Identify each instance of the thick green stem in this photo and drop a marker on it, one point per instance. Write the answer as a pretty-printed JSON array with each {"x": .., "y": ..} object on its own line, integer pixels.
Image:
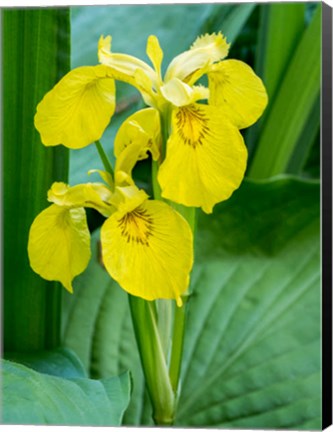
[{"x": 153, "y": 360}]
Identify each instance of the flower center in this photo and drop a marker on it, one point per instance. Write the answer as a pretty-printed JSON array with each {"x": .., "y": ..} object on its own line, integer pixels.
[
  {"x": 192, "y": 125},
  {"x": 137, "y": 226}
]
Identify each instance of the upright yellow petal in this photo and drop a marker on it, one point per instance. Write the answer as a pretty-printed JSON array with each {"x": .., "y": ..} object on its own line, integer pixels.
[
  {"x": 77, "y": 110},
  {"x": 155, "y": 53},
  {"x": 93, "y": 195},
  {"x": 128, "y": 69},
  {"x": 205, "y": 160},
  {"x": 205, "y": 51},
  {"x": 149, "y": 251},
  {"x": 59, "y": 244},
  {"x": 180, "y": 94},
  {"x": 234, "y": 86}
]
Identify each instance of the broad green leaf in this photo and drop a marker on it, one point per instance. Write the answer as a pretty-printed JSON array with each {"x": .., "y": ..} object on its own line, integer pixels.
[
  {"x": 252, "y": 350},
  {"x": 59, "y": 362},
  {"x": 31, "y": 397},
  {"x": 35, "y": 56},
  {"x": 252, "y": 347},
  {"x": 291, "y": 107}
]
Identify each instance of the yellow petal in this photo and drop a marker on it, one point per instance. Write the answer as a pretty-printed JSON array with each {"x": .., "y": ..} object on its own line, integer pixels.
[
  {"x": 59, "y": 244},
  {"x": 128, "y": 69},
  {"x": 127, "y": 198},
  {"x": 234, "y": 86},
  {"x": 180, "y": 94},
  {"x": 205, "y": 51},
  {"x": 93, "y": 195},
  {"x": 205, "y": 160},
  {"x": 143, "y": 129},
  {"x": 149, "y": 251},
  {"x": 125, "y": 164},
  {"x": 155, "y": 53},
  {"x": 77, "y": 110}
]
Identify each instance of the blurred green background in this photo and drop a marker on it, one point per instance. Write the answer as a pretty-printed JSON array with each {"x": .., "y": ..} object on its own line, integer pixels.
[{"x": 252, "y": 347}]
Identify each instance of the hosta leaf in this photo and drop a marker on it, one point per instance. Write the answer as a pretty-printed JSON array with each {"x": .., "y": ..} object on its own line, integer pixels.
[
  {"x": 252, "y": 359},
  {"x": 252, "y": 347},
  {"x": 59, "y": 362},
  {"x": 31, "y": 397}
]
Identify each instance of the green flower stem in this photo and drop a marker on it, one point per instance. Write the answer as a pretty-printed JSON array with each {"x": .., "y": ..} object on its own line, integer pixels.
[
  {"x": 156, "y": 186},
  {"x": 153, "y": 360},
  {"x": 106, "y": 163},
  {"x": 189, "y": 213},
  {"x": 177, "y": 346},
  {"x": 164, "y": 322}
]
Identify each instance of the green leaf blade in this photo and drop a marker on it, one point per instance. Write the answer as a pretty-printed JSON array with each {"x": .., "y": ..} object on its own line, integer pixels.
[
  {"x": 31, "y": 397},
  {"x": 291, "y": 108},
  {"x": 35, "y": 54},
  {"x": 252, "y": 350},
  {"x": 276, "y": 46}
]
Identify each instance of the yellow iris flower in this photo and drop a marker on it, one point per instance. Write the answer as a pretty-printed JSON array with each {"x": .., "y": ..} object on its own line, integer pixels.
[
  {"x": 205, "y": 157},
  {"x": 146, "y": 245}
]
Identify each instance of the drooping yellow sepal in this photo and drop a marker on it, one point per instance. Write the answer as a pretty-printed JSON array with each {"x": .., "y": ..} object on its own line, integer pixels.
[
  {"x": 205, "y": 160},
  {"x": 234, "y": 86},
  {"x": 149, "y": 251},
  {"x": 77, "y": 110},
  {"x": 59, "y": 244}
]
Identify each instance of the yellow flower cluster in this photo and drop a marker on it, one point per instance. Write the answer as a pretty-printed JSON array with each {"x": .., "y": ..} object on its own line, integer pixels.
[{"x": 146, "y": 244}]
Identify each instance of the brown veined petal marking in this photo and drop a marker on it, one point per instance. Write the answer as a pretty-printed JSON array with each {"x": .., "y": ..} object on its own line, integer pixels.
[
  {"x": 192, "y": 125},
  {"x": 148, "y": 251},
  {"x": 205, "y": 160}
]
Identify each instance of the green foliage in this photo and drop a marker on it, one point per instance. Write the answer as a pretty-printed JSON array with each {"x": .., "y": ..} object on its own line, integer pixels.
[
  {"x": 294, "y": 101},
  {"x": 31, "y": 397},
  {"x": 35, "y": 56},
  {"x": 251, "y": 357},
  {"x": 256, "y": 357}
]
